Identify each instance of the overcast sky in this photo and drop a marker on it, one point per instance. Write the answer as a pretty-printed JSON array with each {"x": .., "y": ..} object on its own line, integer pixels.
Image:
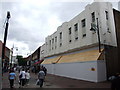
[{"x": 33, "y": 20}]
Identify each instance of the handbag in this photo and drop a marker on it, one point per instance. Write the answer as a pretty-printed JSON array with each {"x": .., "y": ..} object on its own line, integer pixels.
[
  {"x": 20, "y": 76},
  {"x": 38, "y": 82}
]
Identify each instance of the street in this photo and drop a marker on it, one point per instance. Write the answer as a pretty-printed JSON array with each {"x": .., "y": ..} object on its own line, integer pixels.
[
  {"x": 32, "y": 82},
  {"x": 52, "y": 81}
]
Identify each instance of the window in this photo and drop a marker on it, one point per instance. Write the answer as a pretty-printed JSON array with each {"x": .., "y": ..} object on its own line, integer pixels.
[
  {"x": 83, "y": 23},
  {"x": 70, "y": 41},
  {"x": 93, "y": 16},
  {"x": 50, "y": 42},
  {"x": 60, "y": 44},
  {"x": 76, "y": 27},
  {"x": 84, "y": 35},
  {"x": 106, "y": 12},
  {"x": 60, "y": 35},
  {"x": 55, "y": 42},
  {"x": 76, "y": 38},
  {"x": 83, "y": 28},
  {"x": 76, "y": 31},
  {"x": 70, "y": 30},
  {"x": 55, "y": 39},
  {"x": 50, "y": 45}
]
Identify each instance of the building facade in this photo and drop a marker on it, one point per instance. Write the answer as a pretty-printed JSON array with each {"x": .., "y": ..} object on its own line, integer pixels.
[
  {"x": 75, "y": 47},
  {"x": 76, "y": 33},
  {"x": 7, "y": 55}
]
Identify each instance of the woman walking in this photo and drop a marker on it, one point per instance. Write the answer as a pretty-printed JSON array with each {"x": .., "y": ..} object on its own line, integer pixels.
[
  {"x": 12, "y": 77},
  {"x": 27, "y": 74},
  {"x": 22, "y": 78}
]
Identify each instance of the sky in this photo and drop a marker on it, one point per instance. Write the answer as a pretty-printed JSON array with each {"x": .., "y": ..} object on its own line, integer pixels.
[{"x": 33, "y": 20}]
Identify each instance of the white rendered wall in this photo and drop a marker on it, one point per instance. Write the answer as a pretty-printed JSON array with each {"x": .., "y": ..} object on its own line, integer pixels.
[
  {"x": 42, "y": 51},
  {"x": 81, "y": 70},
  {"x": 106, "y": 37}
]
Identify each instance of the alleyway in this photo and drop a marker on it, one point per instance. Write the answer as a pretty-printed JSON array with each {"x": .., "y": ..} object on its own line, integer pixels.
[{"x": 53, "y": 81}]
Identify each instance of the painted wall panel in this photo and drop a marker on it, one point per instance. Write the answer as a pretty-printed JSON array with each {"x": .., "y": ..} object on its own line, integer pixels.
[{"x": 82, "y": 70}]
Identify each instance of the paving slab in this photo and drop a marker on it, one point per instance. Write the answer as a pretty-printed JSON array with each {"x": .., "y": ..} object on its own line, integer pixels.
[{"x": 53, "y": 81}]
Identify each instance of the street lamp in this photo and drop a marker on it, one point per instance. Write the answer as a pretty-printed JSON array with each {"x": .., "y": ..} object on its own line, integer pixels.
[
  {"x": 3, "y": 47},
  {"x": 5, "y": 35},
  {"x": 29, "y": 59},
  {"x": 5, "y": 38},
  {"x": 12, "y": 49},
  {"x": 96, "y": 28}
]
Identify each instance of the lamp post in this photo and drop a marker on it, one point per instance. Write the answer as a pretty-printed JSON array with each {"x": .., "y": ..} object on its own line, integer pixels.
[
  {"x": 5, "y": 37},
  {"x": 11, "y": 57},
  {"x": 29, "y": 59},
  {"x": 96, "y": 28},
  {"x": 12, "y": 49},
  {"x": 3, "y": 47}
]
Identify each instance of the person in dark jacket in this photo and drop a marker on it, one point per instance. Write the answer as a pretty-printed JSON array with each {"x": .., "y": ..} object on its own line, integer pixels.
[
  {"x": 115, "y": 83},
  {"x": 41, "y": 77}
]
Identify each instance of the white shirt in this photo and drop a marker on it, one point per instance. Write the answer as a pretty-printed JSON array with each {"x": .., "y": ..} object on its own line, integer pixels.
[
  {"x": 23, "y": 74},
  {"x": 27, "y": 75}
]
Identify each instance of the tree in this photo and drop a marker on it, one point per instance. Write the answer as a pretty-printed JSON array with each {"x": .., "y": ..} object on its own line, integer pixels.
[{"x": 21, "y": 61}]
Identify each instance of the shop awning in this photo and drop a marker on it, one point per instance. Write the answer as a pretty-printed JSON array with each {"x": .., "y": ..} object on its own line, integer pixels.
[
  {"x": 51, "y": 60},
  {"x": 91, "y": 55},
  {"x": 40, "y": 61}
]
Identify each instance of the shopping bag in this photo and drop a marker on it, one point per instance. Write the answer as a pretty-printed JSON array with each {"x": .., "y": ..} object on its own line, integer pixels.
[{"x": 38, "y": 82}]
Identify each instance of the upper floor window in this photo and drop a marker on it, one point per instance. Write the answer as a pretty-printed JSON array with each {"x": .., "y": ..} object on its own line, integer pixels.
[
  {"x": 55, "y": 39},
  {"x": 76, "y": 27},
  {"x": 70, "y": 30},
  {"x": 83, "y": 23},
  {"x": 93, "y": 16},
  {"x": 50, "y": 45},
  {"x": 50, "y": 42},
  {"x": 60, "y": 35},
  {"x": 70, "y": 41},
  {"x": 106, "y": 12},
  {"x": 60, "y": 44}
]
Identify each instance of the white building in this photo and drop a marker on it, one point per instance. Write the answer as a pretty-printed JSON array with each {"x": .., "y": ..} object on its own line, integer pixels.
[
  {"x": 14, "y": 60},
  {"x": 76, "y": 33},
  {"x": 72, "y": 51},
  {"x": 42, "y": 52}
]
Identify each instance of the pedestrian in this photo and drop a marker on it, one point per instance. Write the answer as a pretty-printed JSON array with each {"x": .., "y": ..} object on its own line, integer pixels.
[
  {"x": 14, "y": 69},
  {"x": 115, "y": 82},
  {"x": 11, "y": 77},
  {"x": 22, "y": 78},
  {"x": 27, "y": 74},
  {"x": 41, "y": 77},
  {"x": 45, "y": 70}
]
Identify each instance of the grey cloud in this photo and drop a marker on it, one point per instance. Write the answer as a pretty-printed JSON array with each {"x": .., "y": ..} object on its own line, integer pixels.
[
  {"x": 36, "y": 33},
  {"x": 68, "y": 10}
]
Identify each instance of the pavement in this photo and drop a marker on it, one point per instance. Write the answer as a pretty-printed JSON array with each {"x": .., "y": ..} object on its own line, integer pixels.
[{"x": 53, "y": 81}]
